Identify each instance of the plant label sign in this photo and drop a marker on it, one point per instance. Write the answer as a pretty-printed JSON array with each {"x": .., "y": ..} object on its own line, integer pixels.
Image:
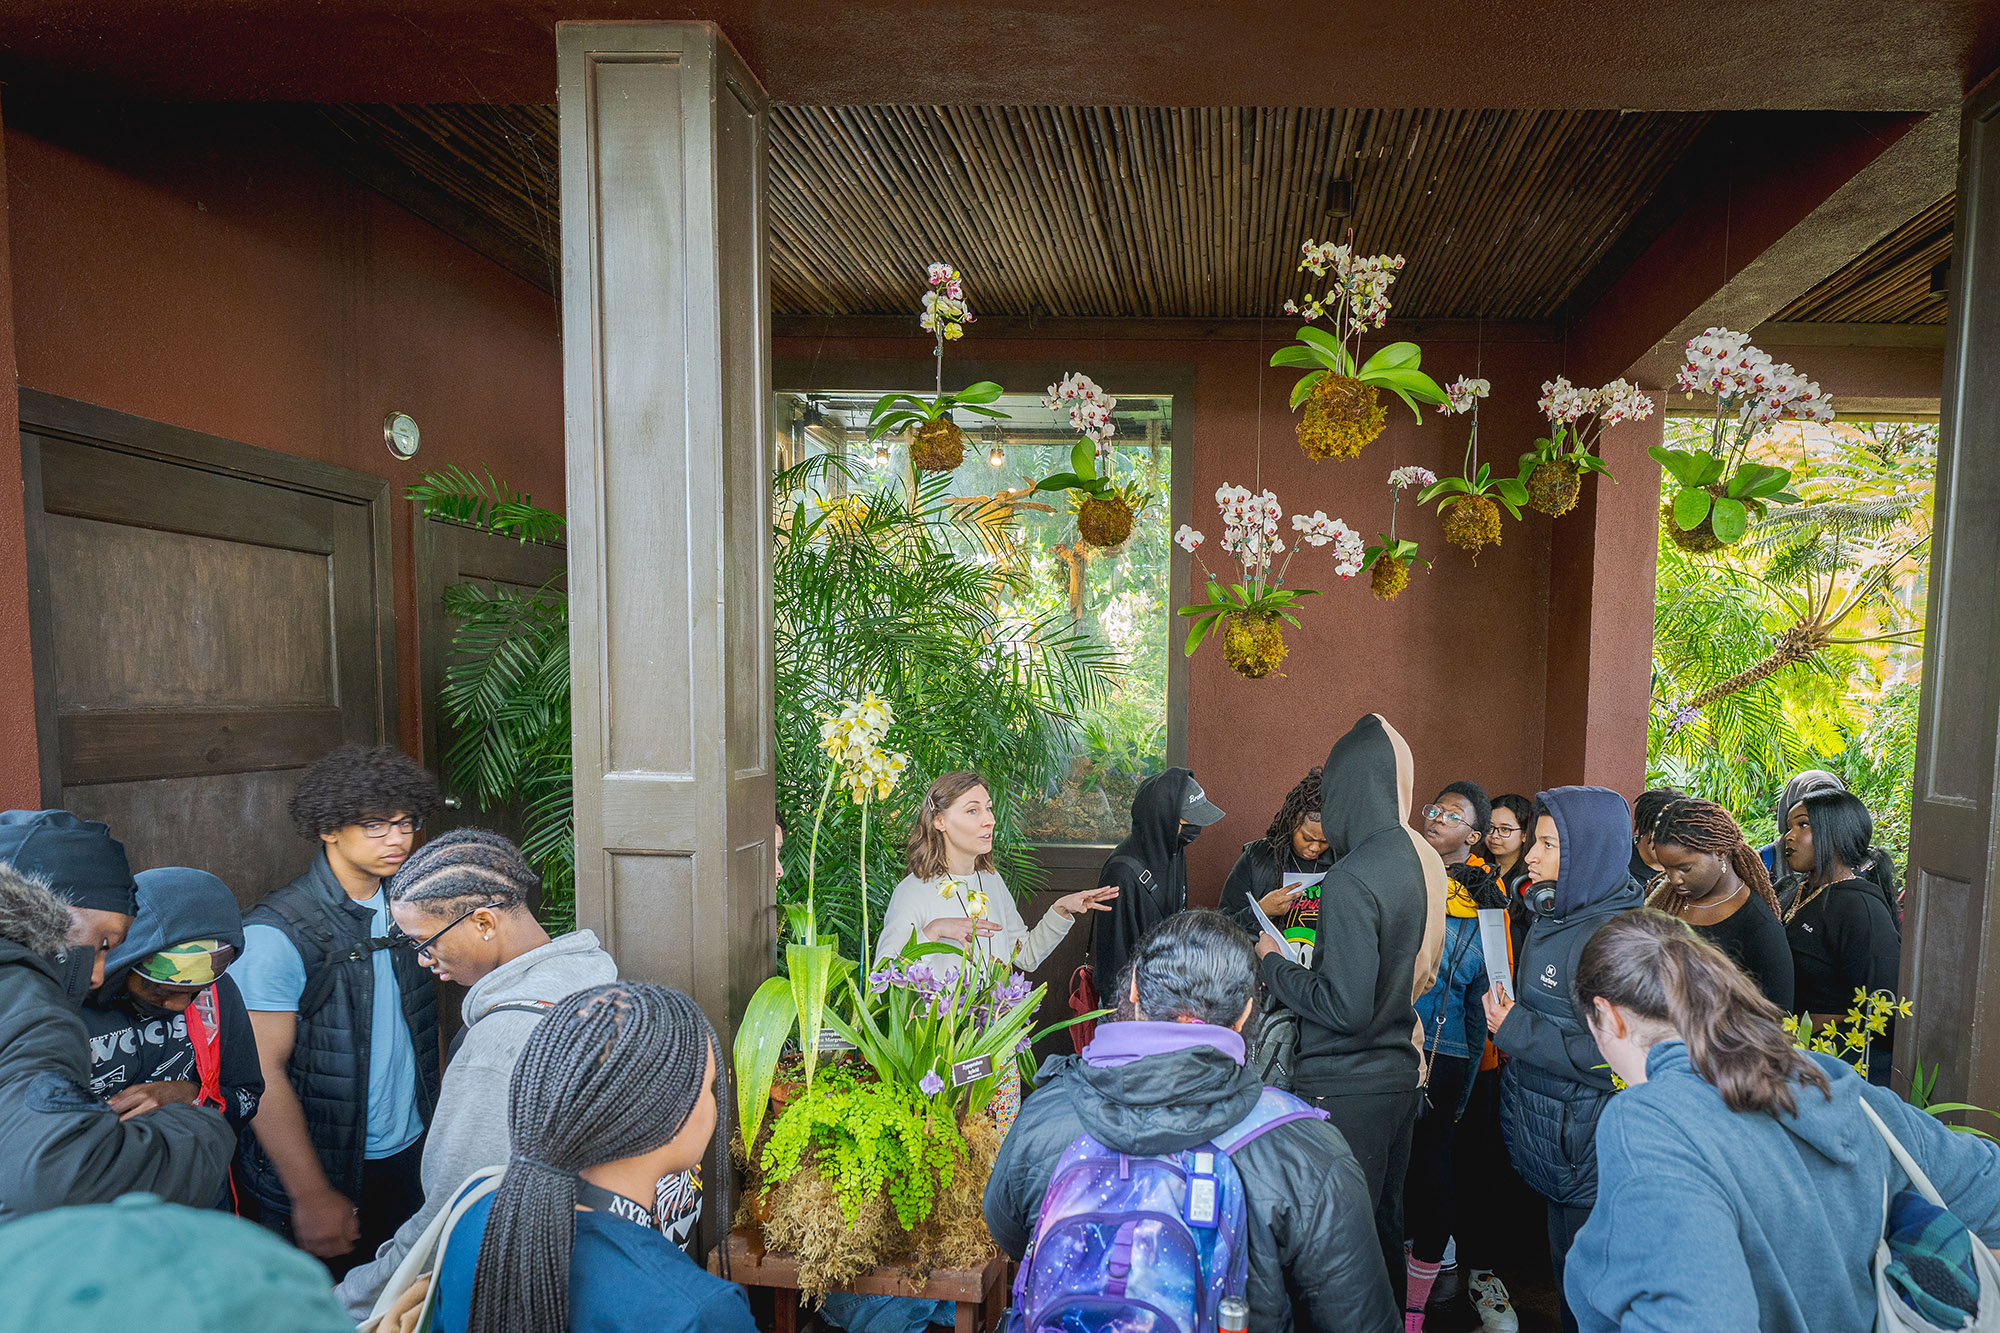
[{"x": 971, "y": 1071}]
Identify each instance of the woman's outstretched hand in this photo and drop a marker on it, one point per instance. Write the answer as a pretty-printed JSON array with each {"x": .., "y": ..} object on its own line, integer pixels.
[
  {"x": 1089, "y": 900},
  {"x": 960, "y": 929}
]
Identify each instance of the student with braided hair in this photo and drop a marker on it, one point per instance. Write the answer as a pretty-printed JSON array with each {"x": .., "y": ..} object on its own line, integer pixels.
[
  {"x": 1713, "y": 880},
  {"x": 619, "y": 1086},
  {"x": 461, "y": 901},
  {"x": 1294, "y": 845}
]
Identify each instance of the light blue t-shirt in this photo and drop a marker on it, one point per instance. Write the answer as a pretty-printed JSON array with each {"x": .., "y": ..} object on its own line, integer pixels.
[{"x": 272, "y": 977}]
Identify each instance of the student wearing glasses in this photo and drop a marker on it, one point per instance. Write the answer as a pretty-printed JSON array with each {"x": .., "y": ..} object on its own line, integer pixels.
[
  {"x": 462, "y": 904},
  {"x": 346, "y": 1026}
]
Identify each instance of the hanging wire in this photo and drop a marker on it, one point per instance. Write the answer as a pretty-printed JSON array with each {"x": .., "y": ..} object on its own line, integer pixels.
[{"x": 1260, "y": 405}]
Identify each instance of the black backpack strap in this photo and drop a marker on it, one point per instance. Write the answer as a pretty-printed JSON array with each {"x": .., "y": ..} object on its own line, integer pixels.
[
  {"x": 535, "y": 1007},
  {"x": 1145, "y": 875},
  {"x": 305, "y": 926}
]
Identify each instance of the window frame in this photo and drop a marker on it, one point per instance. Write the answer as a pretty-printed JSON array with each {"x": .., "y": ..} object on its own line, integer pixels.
[{"x": 1069, "y": 865}]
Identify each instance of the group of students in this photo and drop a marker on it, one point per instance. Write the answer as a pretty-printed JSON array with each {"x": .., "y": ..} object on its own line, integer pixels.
[
  {"x": 1633, "y": 1068},
  {"x": 285, "y": 1064}
]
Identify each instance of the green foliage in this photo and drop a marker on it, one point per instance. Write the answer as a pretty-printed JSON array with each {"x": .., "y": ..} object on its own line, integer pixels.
[
  {"x": 1396, "y": 367},
  {"x": 768, "y": 1021},
  {"x": 1746, "y": 493},
  {"x": 1563, "y": 444},
  {"x": 1844, "y": 562},
  {"x": 881, "y": 591},
  {"x": 865, "y": 1137},
  {"x": 456, "y": 496},
  {"x": 1510, "y": 492},
  {"x": 899, "y": 411},
  {"x": 1238, "y": 600},
  {"x": 1084, "y": 482},
  {"x": 505, "y": 698}
]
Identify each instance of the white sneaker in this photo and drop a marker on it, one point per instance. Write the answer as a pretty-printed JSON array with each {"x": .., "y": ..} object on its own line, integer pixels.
[{"x": 1489, "y": 1297}]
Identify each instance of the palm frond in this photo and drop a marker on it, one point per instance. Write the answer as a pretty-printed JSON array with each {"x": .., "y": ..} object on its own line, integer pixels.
[{"x": 456, "y": 496}]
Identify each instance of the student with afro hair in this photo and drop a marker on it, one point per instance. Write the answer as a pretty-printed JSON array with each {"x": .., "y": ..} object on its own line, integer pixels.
[{"x": 346, "y": 1024}]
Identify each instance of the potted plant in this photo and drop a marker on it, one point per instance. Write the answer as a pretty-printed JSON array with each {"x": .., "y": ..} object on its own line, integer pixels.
[
  {"x": 1716, "y": 490},
  {"x": 1249, "y": 611},
  {"x": 1469, "y": 505},
  {"x": 1554, "y": 469},
  {"x": 936, "y": 445},
  {"x": 1105, "y": 508},
  {"x": 1389, "y": 560},
  {"x": 1341, "y": 392}
]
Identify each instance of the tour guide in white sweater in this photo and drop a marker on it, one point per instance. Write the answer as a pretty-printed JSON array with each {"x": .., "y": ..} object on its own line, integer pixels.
[{"x": 954, "y": 894}]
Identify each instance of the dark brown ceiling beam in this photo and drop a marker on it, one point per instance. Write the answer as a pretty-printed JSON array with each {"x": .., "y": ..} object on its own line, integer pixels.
[{"x": 1792, "y": 201}]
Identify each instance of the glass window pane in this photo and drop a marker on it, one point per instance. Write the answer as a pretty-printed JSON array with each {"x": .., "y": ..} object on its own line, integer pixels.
[{"x": 1119, "y": 597}]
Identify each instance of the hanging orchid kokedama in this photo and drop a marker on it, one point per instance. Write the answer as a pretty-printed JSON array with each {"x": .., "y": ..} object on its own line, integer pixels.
[
  {"x": 1105, "y": 508},
  {"x": 1469, "y": 505},
  {"x": 1341, "y": 393},
  {"x": 1250, "y": 611},
  {"x": 1553, "y": 470},
  {"x": 936, "y": 444},
  {"x": 1717, "y": 491},
  {"x": 1389, "y": 560}
]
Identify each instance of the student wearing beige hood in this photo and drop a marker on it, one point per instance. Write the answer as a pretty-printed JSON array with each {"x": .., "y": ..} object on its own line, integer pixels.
[{"x": 1378, "y": 944}]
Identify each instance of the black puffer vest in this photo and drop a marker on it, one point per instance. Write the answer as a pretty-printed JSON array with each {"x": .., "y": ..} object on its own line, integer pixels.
[{"x": 329, "y": 1064}]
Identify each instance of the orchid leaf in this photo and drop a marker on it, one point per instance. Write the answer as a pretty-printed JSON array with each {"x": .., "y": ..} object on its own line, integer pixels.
[
  {"x": 1730, "y": 519},
  {"x": 811, "y": 966},
  {"x": 1512, "y": 491},
  {"x": 760, "y": 1039},
  {"x": 995, "y": 412},
  {"x": 1396, "y": 356},
  {"x": 1061, "y": 481},
  {"x": 1690, "y": 508},
  {"x": 1295, "y": 356},
  {"x": 985, "y": 391},
  {"x": 1304, "y": 387},
  {"x": 1083, "y": 459},
  {"x": 1326, "y": 348}
]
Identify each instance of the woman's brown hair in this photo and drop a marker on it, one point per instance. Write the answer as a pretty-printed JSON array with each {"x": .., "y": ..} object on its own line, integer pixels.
[
  {"x": 1704, "y": 826},
  {"x": 1656, "y": 967},
  {"x": 924, "y": 850}
]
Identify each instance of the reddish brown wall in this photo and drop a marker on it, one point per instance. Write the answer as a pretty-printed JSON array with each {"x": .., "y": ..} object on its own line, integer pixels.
[
  {"x": 20, "y": 775},
  {"x": 1458, "y": 662},
  {"x": 192, "y": 266}
]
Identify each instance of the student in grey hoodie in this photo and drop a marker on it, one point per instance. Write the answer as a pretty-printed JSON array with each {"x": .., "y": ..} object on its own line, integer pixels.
[
  {"x": 462, "y": 900},
  {"x": 1741, "y": 1183}
]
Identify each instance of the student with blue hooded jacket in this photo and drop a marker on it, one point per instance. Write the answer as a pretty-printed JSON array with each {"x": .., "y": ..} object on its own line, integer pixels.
[
  {"x": 1555, "y": 1083},
  {"x": 1741, "y": 1182}
]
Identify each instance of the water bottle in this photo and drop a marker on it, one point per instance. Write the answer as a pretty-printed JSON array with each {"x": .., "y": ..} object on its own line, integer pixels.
[{"x": 1233, "y": 1315}]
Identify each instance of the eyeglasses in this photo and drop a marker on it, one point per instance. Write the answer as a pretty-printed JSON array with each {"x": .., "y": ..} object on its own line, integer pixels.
[
  {"x": 378, "y": 829},
  {"x": 1504, "y": 830},
  {"x": 423, "y": 946},
  {"x": 1443, "y": 815}
]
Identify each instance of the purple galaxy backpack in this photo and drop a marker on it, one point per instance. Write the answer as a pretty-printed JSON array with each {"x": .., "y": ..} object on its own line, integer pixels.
[{"x": 1128, "y": 1244}]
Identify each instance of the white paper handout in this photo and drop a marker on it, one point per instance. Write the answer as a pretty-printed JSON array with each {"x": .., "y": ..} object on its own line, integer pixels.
[
  {"x": 1301, "y": 879},
  {"x": 1493, "y": 943},
  {"x": 1269, "y": 927}
]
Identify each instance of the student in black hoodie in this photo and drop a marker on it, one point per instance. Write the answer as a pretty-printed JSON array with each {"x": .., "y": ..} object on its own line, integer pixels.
[
  {"x": 1555, "y": 1083},
  {"x": 1149, "y": 869},
  {"x": 1379, "y": 937}
]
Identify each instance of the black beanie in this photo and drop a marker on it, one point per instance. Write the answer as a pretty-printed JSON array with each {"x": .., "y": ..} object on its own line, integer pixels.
[{"x": 78, "y": 858}]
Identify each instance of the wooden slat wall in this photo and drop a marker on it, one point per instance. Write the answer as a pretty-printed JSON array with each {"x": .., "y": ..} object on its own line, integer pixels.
[
  {"x": 1890, "y": 281},
  {"x": 1123, "y": 211}
]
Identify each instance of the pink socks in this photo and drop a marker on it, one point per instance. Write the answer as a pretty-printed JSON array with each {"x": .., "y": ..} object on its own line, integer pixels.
[{"x": 1423, "y": 1276}]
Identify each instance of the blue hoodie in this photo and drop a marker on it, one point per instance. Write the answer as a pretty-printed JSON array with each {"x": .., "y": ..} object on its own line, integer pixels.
[
  {"x": 1712, "y": 1219},
  {"x": 1555, "y": 1082}
]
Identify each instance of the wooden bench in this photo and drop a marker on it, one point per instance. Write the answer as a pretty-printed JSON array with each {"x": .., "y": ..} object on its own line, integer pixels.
[{"x": 979, "y": 1294}]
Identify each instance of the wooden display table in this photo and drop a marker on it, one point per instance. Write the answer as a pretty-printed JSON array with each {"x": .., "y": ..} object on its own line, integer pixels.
[{"x": 980, "y": 1294}]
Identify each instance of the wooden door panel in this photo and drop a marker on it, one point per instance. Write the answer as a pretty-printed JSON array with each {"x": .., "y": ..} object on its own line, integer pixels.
[{"x": 208, "y": 619}]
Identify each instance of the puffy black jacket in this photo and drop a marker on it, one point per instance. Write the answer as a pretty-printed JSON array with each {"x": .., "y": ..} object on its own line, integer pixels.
[
  {"x": 1311, "y": 1222},
  {"x": 62, "y": 1145},
  {"x": 329, "y": 1064},
  {"x": 1555, "y": 1083}
]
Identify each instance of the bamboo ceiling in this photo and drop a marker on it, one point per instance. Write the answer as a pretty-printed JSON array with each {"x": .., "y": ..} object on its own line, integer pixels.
[
  {"x": 1890, "y": 281},
  {"x": 1145, "y": 212}
]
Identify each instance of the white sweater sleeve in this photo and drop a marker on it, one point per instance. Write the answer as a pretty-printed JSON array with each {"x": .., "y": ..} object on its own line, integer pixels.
[{"x": 912, "y": 906}]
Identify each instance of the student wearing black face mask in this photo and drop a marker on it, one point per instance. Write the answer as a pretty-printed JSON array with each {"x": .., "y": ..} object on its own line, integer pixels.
[
  {"x": 59, "y": 873},
  {"x": 1149, "y": 868}
]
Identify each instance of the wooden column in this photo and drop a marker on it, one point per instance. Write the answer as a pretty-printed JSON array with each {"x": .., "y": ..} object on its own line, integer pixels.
[
  {"x": 1951, "y": 914},
  {"x": 666, "y": 384}
]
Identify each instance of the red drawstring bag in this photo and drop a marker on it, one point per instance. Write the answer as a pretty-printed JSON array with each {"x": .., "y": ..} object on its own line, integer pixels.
[
  {"x": 1082, "y": 1000},
  {"x": 204, "y": 1029}
]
